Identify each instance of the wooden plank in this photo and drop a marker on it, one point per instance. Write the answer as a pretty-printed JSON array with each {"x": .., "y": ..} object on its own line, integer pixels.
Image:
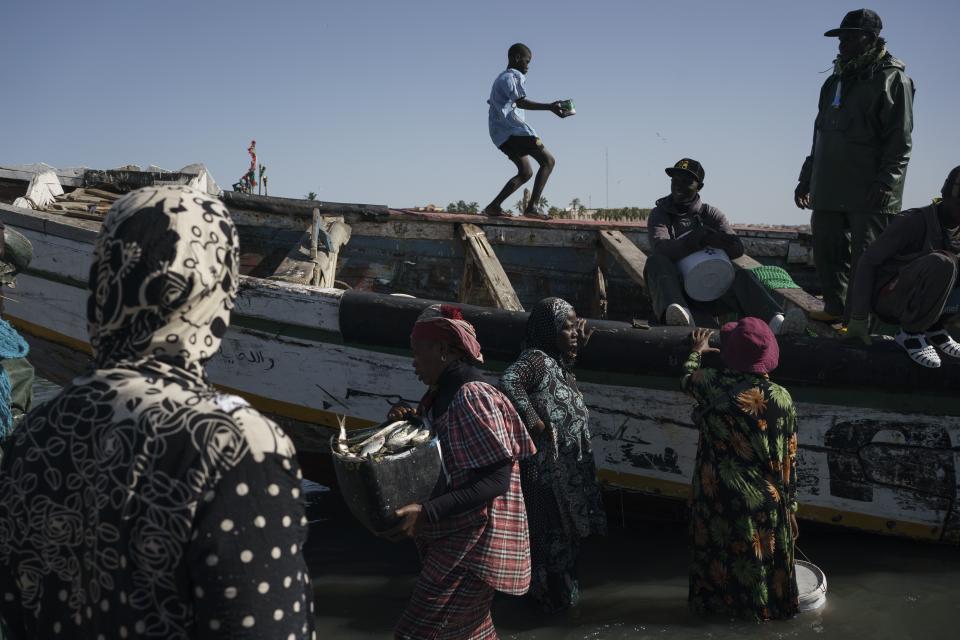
[
  {"x": 100, "y": 193},
  {"x": 495, "y": 279},
  {"x": 627, "y": 254},
  {"x": 335, "y": 235},
  {"x": 599, "y": 309},
  {"x": 308, "y": 264},
  {"x": 50, "y": 223},
  {"x": 289, "y": 304}
]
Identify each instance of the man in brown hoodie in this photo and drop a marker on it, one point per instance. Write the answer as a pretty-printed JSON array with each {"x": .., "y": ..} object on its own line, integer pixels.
[{"x": 908, "y": 277}]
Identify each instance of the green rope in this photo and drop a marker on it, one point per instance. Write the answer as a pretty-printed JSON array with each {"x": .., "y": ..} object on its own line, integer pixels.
[{"x": 774, "y": 277}]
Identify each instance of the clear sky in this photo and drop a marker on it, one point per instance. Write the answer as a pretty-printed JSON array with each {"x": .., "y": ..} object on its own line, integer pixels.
[{"x": 385, "y": 102}]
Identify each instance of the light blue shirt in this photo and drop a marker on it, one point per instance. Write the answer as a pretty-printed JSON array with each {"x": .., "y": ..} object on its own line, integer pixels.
[{"x": 505, "y": 118}]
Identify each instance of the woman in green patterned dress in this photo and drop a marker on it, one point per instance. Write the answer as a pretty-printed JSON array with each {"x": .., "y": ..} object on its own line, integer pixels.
[{"x": 742, "y": 519}]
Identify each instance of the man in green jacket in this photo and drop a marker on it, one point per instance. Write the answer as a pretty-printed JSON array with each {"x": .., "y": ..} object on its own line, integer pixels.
[{"x": 853, "y": 178}]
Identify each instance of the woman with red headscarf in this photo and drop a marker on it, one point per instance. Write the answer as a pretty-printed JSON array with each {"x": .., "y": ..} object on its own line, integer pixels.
[
  {"x": 472, "y": 536},
  {"x": 742, "y": 522}
]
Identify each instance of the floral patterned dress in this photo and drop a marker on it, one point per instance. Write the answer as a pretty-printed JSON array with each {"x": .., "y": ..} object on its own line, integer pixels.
[{"x": 744, "y": 484}]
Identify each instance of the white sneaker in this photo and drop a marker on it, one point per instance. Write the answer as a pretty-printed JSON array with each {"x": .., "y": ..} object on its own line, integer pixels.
[
  {"x": 775, "y": 323},
  {"x": 793, "y": 324},
  {"x": 678, "y": 316}
]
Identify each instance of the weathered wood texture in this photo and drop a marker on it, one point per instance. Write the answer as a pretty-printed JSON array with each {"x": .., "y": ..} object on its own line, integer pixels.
[
  {"x": 333, "y": 237},
  {"x": 599, "y": 307},
  {"x": 481, "y": 255},
  {"x": 627, "y": 254},
  {"x": 308, "y": 263},
  {"x": 296, "y": 208}
]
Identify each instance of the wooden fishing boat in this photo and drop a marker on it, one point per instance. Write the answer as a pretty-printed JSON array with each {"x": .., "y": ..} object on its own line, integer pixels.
[{"x": 319, "y": 332}]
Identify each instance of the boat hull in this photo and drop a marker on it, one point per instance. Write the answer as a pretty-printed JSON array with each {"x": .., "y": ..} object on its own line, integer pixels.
[{"x": 879, "y": 439}]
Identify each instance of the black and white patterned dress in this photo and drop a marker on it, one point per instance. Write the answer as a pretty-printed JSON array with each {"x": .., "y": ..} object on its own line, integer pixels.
[
  {"x": 560, "y": 487},
  {"x": 140, "y": 502}
]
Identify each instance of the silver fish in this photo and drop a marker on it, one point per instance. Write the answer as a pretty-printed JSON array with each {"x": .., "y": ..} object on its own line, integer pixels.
[
  {"x": 401, "y": 436},
  {"x": 381, "y": 433},
  {"x": 342, "y": 446},
  {"x": 422, "y": 436},
  {"x": 372, "y": 447}
]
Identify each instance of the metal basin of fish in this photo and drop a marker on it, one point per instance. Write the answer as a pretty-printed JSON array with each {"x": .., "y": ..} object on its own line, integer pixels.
[{"x": 377, "y": 485}]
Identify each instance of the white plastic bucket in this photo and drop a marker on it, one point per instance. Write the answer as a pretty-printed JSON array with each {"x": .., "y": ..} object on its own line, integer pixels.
[
  {"x": 811, "y": 585},
  {"x": 707, "y": 274}
]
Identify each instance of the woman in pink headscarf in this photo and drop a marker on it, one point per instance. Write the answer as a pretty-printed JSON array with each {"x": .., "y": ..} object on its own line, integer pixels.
[
  {"x": 742, "y": 513},
  {"x": 472, "y": 536}
]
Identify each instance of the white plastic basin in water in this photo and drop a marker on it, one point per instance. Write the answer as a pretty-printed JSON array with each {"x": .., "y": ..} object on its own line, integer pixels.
[
  {"x": 707, "y": 274},
  {"x": 811, "y": 584}
]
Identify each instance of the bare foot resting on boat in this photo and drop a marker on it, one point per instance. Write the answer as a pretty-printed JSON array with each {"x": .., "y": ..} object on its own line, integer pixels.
[
  {"x": 494, "y": 212},
  {"x": 537, "y": 215}
]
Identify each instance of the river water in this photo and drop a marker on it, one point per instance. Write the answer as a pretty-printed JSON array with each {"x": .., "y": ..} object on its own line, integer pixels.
[{"x": 635, "y": 586}]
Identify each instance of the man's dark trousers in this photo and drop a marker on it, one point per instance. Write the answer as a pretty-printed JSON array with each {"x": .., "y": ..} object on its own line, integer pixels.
[{"x": 839, "y": 238}]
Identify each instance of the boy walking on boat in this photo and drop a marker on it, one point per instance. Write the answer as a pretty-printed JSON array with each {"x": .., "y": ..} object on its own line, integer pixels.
[{"x": 513, "y": 136}]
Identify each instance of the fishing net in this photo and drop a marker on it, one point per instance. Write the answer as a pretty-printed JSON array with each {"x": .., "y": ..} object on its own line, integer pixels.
[{"x": 774, "y": 277}]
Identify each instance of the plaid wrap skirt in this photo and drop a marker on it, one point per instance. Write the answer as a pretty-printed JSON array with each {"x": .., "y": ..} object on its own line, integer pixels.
[{"x": 457, "y": 609}]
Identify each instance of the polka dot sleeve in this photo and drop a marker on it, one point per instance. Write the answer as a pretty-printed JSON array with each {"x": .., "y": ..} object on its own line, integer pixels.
[{"x": 249, "y": 577}]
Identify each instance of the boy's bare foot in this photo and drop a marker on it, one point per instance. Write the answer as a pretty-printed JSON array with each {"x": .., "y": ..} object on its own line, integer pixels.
[
  {"x": 494, "y": 212},
  {"x": 537, "y": 215}
]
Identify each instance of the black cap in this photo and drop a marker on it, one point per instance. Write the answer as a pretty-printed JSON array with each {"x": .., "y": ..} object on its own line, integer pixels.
[
  {"x": 687, "y": 165},
  {"x": 951, "y": 186},
  {"x": 859, "y": 20}
]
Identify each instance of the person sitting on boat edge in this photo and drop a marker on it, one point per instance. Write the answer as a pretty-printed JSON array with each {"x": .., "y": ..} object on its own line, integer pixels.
[
  {"x": 513, "y": 136},
  {"x": 743, "y": 496},
  {"x": 681, "y": 224},
  {"x": 140, "y": 501},
  {"x": 472, "y": 536},
  {"x": 16, "y": 374},
  {"x": 908, "y": 277},
  {"x": 560, "y": 487}
]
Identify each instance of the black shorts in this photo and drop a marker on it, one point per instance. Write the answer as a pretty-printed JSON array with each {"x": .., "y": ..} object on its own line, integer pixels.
[{"x": 519, "y": 146}]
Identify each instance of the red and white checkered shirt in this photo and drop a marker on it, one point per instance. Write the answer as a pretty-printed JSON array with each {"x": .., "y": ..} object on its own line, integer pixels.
[{"x": 479, "y": 429}]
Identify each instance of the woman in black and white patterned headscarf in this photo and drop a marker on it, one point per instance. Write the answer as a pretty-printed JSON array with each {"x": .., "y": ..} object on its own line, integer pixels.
[
  {"x": 559, "y": 483},
  {"x": 138, "y": 501}
]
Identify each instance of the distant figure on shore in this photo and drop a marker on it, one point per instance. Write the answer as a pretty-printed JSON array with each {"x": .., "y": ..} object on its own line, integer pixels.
[
  {"x": 16, "y": 373},
  {"x": 908, "y": 277},
  {"x": 682, "y": 224},
  {"x": 560, "y": 486},
  {"x": 853, "y": 178},
  {"x": 512, "y": 135},
  {"x": 743, "y": 508},
  {"x": 472, "y": 536},
  {"x": 141, "y": 501}
]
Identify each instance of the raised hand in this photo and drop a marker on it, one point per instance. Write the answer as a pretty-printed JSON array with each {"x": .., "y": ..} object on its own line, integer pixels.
[{"x": 701, "y": 341}]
